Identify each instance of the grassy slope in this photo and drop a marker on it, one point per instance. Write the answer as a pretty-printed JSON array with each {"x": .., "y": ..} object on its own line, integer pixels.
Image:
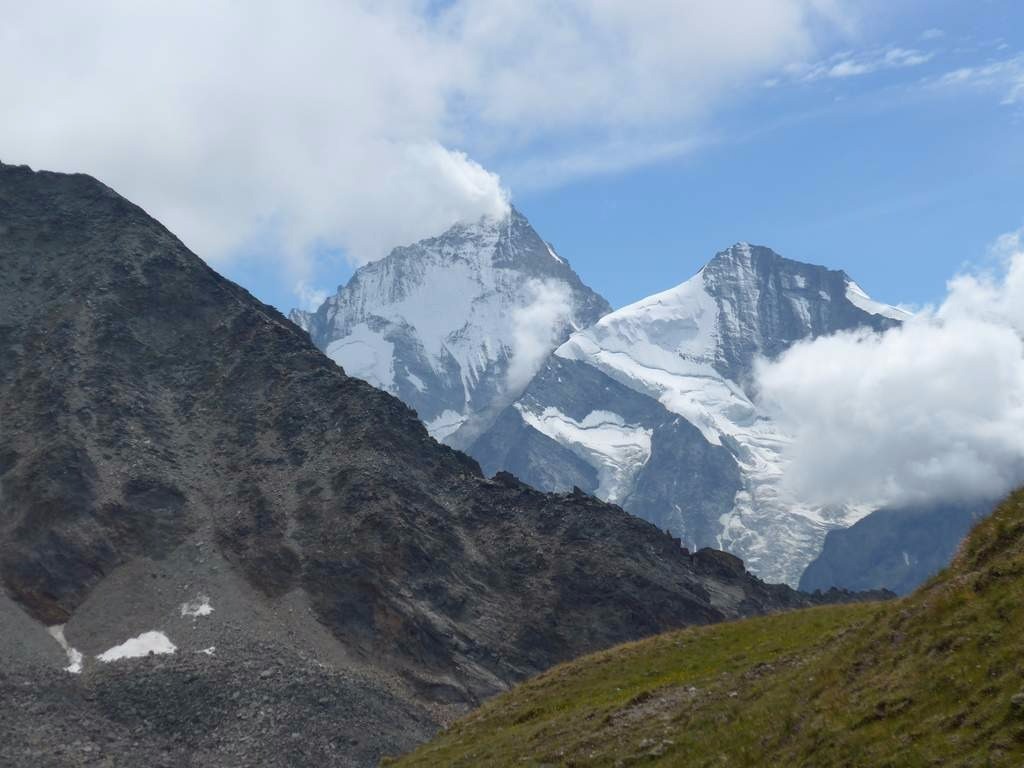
[{"x": 924, "y": 681}]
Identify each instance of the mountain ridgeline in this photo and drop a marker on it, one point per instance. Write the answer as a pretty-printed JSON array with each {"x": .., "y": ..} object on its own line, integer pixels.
[
  {"x": 648, "y": 407},
  {"x": 327, "y": 582},
  {"x": 651, "y": 407}
]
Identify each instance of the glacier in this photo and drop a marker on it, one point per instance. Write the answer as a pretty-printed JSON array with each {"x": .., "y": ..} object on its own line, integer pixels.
[
  {"x": 651, "y": 407},
  {"x": 689, "y": 351}
]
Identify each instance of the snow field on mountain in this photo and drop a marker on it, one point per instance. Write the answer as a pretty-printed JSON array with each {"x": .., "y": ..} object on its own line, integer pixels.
[
  {"x": 366, "y": 354},
  {"x": 666, "y": 346},
  {"x": 618, "y": 450}
]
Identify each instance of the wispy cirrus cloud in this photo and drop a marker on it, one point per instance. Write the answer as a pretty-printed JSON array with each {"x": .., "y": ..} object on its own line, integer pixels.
[
  {"x": 996, "y": 69},
  {"x": 848, "y": 64},
  {"x": 545, "y": 171},
  {"x": 1004, "y": 77}
]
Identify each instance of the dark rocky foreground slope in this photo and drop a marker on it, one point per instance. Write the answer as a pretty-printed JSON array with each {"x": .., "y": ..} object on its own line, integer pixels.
[
  {"x": 932, "y": 679},
  {"x": 167, "y": 441}
]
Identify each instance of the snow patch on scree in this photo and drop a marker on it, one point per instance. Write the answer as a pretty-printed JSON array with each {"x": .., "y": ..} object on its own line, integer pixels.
[
  {"x": 198, "y": 607},
  {"x": 75, "y": 657},
  {"x": 139, "y": 647}
]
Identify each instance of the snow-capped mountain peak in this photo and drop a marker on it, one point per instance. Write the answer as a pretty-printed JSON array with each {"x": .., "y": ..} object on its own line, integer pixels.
[
  {"x": 456, "y": 325},
  {"x": 650, "y": 406},
  {"x": 746, "y": 301}
]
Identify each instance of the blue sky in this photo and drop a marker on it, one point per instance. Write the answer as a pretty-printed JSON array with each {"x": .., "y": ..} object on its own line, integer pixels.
[
  {"x": 885, "y": 137},
  {"x": 889, "y": 175},
  {"x": 884, "y": 175}
]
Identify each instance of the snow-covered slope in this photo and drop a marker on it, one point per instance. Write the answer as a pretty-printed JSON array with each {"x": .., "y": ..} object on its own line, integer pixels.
[
  {"x": 654, "y": 399},
  {"x": 301, "y": 318},
  {"x": 456, "y": 325}
]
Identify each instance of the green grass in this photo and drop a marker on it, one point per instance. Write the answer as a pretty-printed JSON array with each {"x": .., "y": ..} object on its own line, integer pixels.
[{"x": 923, "y": 681}]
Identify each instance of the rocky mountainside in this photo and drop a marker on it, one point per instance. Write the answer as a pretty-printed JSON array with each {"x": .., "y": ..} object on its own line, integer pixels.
[
  {"x": 933, "y": 679},
  {"x": 652, "y": 408},
  {"x": 247, "y": 555},
  {"x": 456, "y": 325}
]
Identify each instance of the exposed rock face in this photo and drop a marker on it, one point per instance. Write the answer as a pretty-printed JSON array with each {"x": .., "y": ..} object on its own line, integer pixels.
[
  {"x": 766, "y": 302},
  {"x": 575, "y": 426},
  {"x": 652, "y": 408},
  {"x": 165, "y": 438},
  {"x": 442, "y": 322},
  {"x": 897, "y": 548}
]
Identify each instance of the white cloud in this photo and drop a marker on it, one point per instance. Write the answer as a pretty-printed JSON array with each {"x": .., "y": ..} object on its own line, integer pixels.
[
  {"x": 535, "y": 329},
  {"x": 309, "y": 298},
  {"x": 281, "y": 127},
  {"x": 550, "y": 170},
  {"x": 542, "y": 65},
  {"x": 1006, "y": 245},
  {"x": 235, "y": 126},
  {"x": 933, "y": 410},
  {"x": 933, "y": 34}
]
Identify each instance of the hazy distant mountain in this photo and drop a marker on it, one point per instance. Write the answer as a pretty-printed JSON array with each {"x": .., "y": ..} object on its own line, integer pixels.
[{"x": 896, "y": 548}]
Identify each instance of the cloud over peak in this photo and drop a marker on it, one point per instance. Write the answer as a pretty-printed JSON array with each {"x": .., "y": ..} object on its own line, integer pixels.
[
  {"x": 930, "y": 411},
  {"x": 359, "y": 125}
]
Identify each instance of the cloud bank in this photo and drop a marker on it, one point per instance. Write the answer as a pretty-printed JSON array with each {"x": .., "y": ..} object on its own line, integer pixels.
[
  {"x": 930, "y": 411},
  {"x": 358, "y": 125},
  {"x": 272, "y": 126}
]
